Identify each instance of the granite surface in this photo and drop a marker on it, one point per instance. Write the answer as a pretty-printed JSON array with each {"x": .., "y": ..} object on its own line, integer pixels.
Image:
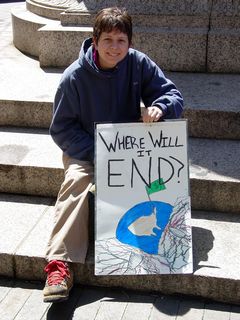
[
  {"x": 190, "y": 36},
  {"x": 215, "y": 274},
  {"x": 59, "y": 46},
  {"x": 37, "y": 114},
  {"x": 134, "y": 7},
  {"x": 25, "y": 26},
  {"x": 223, "y": 50},
  {"x": 14, "y": 228},
  {"x": 37, "y": 240},
  {"x": 30, "y": 162},
  {"x": 173, "y": 49}
]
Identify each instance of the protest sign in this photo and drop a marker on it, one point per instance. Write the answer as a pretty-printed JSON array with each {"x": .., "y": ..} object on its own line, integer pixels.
[{"x": 142, "y": 202}]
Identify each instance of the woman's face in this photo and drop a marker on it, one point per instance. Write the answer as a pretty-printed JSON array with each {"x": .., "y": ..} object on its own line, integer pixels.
[{"x": 112, "y": 47}]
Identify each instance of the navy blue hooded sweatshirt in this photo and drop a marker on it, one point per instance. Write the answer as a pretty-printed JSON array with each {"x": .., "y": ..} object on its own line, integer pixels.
[{"x": 87, "y": 95}]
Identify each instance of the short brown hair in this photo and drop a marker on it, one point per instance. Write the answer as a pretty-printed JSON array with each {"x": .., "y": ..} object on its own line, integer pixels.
[{"x": 109, "y": 19}]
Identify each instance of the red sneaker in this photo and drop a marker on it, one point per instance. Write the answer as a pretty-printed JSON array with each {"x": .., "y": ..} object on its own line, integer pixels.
[{"x": 59, "y": 281}]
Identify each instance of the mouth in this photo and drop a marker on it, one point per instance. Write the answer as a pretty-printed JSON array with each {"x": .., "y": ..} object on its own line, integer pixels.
[{"x": 113, "y": 55}]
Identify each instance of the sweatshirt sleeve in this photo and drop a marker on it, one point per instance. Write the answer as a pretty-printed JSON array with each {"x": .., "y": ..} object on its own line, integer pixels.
[
  {"x": 66, "y": 129},
  {"x": 159, "y": 91}
]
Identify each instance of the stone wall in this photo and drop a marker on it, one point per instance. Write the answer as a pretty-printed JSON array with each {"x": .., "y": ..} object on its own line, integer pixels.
[{"x": 186, "y": 35}]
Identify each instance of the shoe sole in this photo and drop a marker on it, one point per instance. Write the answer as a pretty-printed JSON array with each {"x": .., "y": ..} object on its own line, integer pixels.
[{"x": 57, "y": 298}]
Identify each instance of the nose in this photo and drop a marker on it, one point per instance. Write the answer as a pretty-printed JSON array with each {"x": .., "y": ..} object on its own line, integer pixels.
[{"x": 114, "y": 45}]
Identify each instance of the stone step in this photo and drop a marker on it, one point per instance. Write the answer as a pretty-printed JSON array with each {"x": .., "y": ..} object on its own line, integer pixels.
[
  {"x": 30, "y": 163},
  {"x": 210, "y": 114},
  {"x": 215, "y": 256},
  {"x": 20, "y": 113},
  {"x": 212, "y": 103},
  {"x": 217, "y": 122},
  {"x": 190, "y": 41},
  {"x": 25, "y": 25},
  {"x": 59, "y": 46},
  {"x": 65, "y": 41}
]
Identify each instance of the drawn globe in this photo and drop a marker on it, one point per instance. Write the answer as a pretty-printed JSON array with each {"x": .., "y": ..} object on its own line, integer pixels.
[{"x": 142, "y": 225}]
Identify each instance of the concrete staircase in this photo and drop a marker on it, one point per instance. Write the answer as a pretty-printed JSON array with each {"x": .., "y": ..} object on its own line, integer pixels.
[
  {"x": 31, "y": 173},
  {"x": 193, "y": 31}
]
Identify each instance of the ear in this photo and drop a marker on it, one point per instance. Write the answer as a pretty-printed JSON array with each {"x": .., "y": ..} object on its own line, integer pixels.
[{"x": 94, "y": 42}]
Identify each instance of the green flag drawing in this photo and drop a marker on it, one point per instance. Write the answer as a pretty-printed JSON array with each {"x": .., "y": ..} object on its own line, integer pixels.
[{"x": 155, "y": 186}]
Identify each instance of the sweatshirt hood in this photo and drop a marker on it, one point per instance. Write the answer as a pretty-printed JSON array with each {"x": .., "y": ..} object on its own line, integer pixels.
[{"x": 86, "y": 55}]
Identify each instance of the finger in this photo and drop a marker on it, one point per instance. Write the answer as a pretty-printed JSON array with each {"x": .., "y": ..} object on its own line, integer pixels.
[
  {"x": 155, "y": 115},
  {"x": 158, "y": 116},
  {"x": 146, "y": 116}
]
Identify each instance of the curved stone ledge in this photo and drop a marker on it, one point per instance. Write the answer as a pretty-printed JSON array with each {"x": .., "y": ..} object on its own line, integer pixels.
[
  {"x": 25, "y": 27},
  {"x": 49, "y": 8},
  {"x": 44, "y": 11},
  {"x": 179, "y": 36},
  {"x": 86, "y": 18}
]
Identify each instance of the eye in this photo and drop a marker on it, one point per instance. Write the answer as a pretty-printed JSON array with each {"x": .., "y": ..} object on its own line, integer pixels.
[
  {"x": 122, "y": 41},
  {"x": 106, "y": 39}
]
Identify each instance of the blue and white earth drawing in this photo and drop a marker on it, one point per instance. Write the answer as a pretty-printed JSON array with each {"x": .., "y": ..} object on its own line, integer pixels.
[
  {"x": 152, "y": 237},
  {"x": 142, "y": 225}
]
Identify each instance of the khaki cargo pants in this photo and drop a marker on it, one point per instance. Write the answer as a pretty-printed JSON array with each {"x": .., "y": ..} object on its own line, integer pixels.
[{"x": 69, "y": 238}]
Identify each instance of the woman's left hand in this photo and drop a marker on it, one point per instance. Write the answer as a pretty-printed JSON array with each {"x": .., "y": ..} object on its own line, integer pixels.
[{"x": 152, "y": 114}]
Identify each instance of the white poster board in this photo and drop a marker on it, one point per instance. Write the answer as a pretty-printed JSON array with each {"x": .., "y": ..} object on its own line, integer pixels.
[{"x": 142, "y": 207}]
